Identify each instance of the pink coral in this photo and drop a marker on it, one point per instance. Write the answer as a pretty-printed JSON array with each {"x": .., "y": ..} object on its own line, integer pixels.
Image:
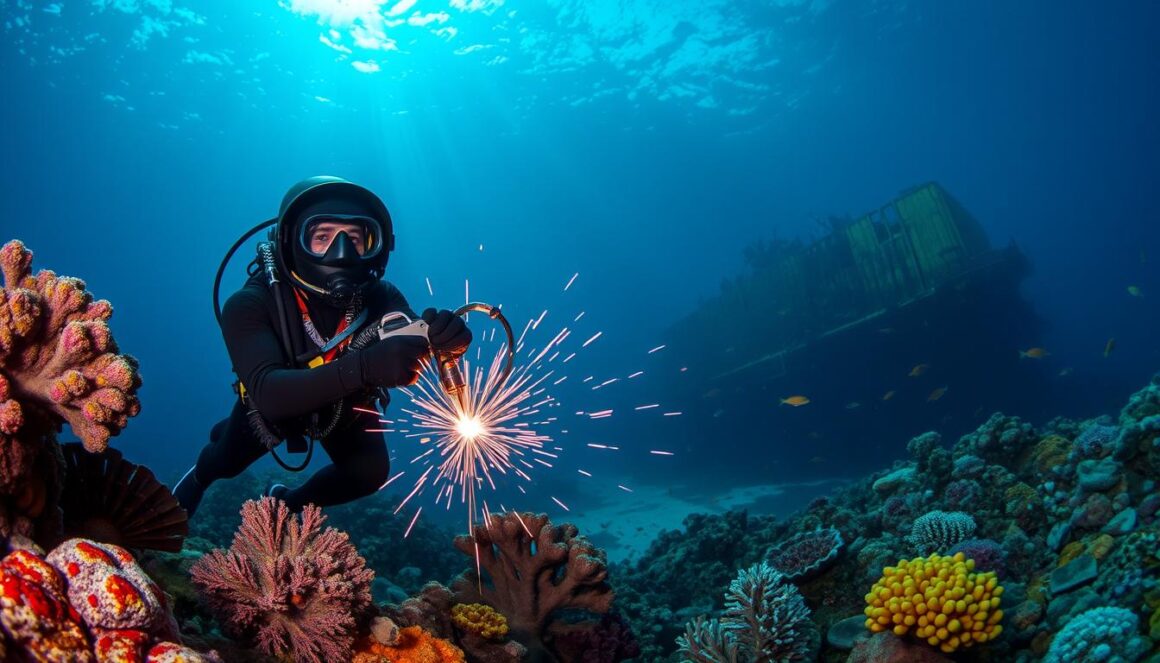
[
  {"x": 288, "y": 585},
  {"x": 534, "y": 571},
  {"x": 58, "y": 364}
]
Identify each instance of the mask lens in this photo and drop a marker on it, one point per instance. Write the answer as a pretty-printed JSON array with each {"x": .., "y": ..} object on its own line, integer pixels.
[{"x": 320, "y": 231}]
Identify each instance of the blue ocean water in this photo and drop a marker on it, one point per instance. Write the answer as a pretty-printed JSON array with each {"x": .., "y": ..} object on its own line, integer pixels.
[{"x": 640, "y": 146}]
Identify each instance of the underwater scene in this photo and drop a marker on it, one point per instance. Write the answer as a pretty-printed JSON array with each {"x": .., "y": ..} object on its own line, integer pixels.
[{"x": 432, "y": 331}]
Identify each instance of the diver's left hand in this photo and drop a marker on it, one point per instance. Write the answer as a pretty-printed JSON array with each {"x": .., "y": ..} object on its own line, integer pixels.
[{"x": 447, "y": 332}]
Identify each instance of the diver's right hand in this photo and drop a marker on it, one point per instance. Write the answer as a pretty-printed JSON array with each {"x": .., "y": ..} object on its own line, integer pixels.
[{"x": 395, "y": 361}]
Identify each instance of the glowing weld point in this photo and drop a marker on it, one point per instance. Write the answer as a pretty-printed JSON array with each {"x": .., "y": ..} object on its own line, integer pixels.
[
  {"x": 469, "y": 427},
  {"x": 562, "y": 505},
  {"x": 594, "y": 337},
  {"x": 587, "y": 474},
  {"x": 413, "y": 519},
  {"x": 659, "y": 347},
  {"x": 624, "y": 488},
  {"x": 656, "y": 452},
  {"x": 570, "y": 281},
  {"x": 672, "y": 414},
  {"x": 647, "y": 407}
]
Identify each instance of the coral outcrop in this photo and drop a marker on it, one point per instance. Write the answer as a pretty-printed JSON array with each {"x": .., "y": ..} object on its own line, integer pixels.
[
  {"x": 532, "y": 572},
  {"x": 58, "y": 364},
  {"x": 288, "y": 585}
]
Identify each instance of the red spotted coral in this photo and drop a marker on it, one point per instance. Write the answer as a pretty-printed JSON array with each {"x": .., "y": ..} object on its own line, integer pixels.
[
  {"x": 287, "y": 585},
  {"x": 35, "y": 616},
  {"x": 58, "y": 363}
]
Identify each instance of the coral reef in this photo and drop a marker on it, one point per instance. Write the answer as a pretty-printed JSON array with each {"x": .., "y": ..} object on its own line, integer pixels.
[
  {"x": 765, "y": 620},
  {"x": 534, "y": 571},
  {"x": 288, "y": 585},
  {"x": 940, "y": 599},
  {"x": 106, "y": 498},
  {"x": 58, "y": 364}
]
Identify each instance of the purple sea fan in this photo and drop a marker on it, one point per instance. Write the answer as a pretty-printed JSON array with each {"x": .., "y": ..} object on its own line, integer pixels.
[
  {"x": 287, "y": 585},
  {"x": 806, "y": 554}
]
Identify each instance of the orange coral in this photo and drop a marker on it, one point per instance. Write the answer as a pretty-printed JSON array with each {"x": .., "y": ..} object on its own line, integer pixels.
[
  {"x": 414, "y": 645},
  {"x": 480, "y": 619}
]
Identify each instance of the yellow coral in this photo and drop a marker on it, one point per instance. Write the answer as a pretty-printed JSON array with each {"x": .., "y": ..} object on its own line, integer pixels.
[
  {"x": 940, "y": 598},
  {"x": 414, "y": 645},
  {"x": 480, "y": 619}
]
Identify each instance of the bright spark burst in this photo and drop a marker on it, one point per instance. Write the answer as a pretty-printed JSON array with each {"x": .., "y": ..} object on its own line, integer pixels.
[{"x": 499, "y": 429}]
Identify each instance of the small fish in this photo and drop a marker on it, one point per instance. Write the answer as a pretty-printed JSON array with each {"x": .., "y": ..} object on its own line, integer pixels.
[
  {"x": 1135, "y": 291},
  {"x": 888, "y": 395},
  {"x": 796, "y": 401},
  {"x": 1033, "y": 353},
  {"x": 1064, "y": 372},
  {"x": 918, "y": 370},
  {"x": 853, "y": 405},
  {"x": 1109, "y": 346},
  {"x": 936, "y": 394}
]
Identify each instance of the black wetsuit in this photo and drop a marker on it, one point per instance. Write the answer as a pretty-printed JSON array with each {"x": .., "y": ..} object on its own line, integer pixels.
[{"x": 286, "y": 394}]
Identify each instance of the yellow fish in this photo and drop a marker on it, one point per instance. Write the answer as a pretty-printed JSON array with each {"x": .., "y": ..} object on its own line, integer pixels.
[
  {"x": 936, "y": 394},
  {"x": 888, "y": 395},
  {"x": 1033, "y": 353},
  {"x": 1134, "y": 290},
  {"x": 918, "y": 370},
  {"x": 796, "y": 401},
  {"x": 1109, "y": 346}
]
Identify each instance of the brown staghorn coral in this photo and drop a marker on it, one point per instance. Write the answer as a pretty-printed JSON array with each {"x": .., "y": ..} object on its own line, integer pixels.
[
  {"x": 287, "y": 585},
  {"x": 534, "y": 571},
  {"x": 58, "y": 363}
]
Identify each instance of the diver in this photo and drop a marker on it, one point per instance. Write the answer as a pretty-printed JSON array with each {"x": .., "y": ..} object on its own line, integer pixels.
[{"x": 304, "y": 371}]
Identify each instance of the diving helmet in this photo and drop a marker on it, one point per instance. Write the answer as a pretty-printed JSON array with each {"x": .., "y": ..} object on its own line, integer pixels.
[{"x": 332, "y": 238}]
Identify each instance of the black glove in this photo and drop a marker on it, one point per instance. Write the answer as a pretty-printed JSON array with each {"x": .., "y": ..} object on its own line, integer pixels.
[
  {"x": 394, "y": 362},
  {"x": 447, "y": 332}
]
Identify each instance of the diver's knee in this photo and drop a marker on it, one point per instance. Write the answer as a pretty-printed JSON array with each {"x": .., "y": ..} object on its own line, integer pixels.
[{"x": 372, "y": 473}]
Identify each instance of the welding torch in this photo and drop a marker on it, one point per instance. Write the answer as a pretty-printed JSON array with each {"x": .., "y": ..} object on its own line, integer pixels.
[{"x": 450, "y": 373}]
